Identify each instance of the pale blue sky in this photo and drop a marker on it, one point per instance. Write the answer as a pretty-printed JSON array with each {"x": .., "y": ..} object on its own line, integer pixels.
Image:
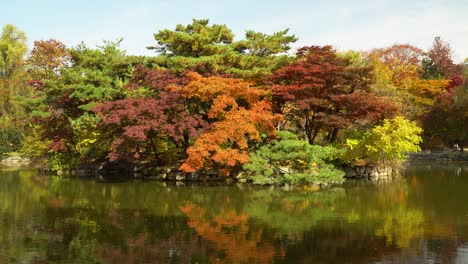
[{"x": 358, "y": 24}]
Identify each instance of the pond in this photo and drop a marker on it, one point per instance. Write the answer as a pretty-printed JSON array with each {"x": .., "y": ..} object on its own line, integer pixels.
[{"x": 419, "y": 218}]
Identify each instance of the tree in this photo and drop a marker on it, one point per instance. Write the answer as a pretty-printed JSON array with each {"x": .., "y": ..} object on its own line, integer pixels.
[
  {"x": 289, "y": 160},
  {"x": 320, "y": 92},
  {"x": 63, "y": 102},
  {"x": 397, "y": 72},
  {"x": 260, "y": 44},
  {"x": 12, "y": 50},
  {"x": 447, "y": 120},
  {"x": 194, "y": 40},
  {"x": 403, "y": 61},
  {"x": 210, "y": 50},
  {"x": 387, "y": 142},
  {"x": 13, "y": 84},
  {"x": 440, "y": 63},
  {"x": 239, "y": 116},
  {"x": 157, "y": 127},
  {"x": 47, "y": 58}
]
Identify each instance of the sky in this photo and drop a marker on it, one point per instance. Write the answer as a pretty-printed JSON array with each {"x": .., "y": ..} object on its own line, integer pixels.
[{"x": 345, "y": 24}]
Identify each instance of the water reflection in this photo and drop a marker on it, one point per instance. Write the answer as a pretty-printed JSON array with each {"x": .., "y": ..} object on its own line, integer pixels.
[{"x": 422, "y": 217}]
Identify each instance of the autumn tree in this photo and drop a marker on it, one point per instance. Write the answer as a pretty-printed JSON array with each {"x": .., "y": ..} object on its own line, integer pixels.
[
  {"x": 240, "y": 116},
  {"x": 447, "y": 120},
  {"x": 157, "y": 127},
  {"x": 402, "y": 61},
  {"x": 390, "y": 141},
  {"x": 321, "y": 93},
  {"x": 439, "y": 62},
  {"x": 397, "y": 73},
  {"x": 46, "y": 59}
]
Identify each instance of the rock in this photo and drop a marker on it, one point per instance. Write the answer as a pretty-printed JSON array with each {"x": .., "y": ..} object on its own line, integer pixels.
[
  {"x": 285, "y": 170},
  {"x": 192, "y": 177},
  {"x": 349, "y": 172},
  {"x": 229, "y": 180},
  {"x": 241, "y": 175},
  {"x": 180, "y": 176},
  {"x": 242, "y": 180}
]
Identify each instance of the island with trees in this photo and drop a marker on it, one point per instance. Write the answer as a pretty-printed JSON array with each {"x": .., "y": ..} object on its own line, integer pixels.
[{"x": 207, "y": 106}]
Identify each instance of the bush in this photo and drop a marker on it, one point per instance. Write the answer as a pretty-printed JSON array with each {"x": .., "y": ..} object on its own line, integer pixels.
[
  {"x": 289, "y": 160},
  {"x": 390, "y": 141}
]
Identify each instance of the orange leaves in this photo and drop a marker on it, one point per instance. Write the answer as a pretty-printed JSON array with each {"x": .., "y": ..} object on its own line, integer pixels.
[
  {"x": 239, "y": 118},
  {"x": 401, "y": 61},
  {"x": 427, "y": 91},
  {"x": 218, "y": 88},
  {"x": 47, "y": 57}
]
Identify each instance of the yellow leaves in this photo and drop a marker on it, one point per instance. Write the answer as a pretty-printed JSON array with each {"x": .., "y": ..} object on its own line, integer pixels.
[{"x": 426, "y": 91}]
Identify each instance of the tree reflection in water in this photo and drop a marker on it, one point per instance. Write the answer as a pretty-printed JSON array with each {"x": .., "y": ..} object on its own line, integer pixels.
[{"x": 60, "y": 220}]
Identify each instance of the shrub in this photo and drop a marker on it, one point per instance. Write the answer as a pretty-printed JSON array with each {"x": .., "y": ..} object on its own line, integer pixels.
[
  {"x": 290, "y": 160},
  {"x": 390, "y": 141}
]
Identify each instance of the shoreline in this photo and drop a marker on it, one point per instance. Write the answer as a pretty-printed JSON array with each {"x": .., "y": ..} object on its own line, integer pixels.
[{"x": 441, "y": 155}]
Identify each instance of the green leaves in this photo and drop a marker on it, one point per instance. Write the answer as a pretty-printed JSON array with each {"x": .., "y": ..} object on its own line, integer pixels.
[
  {"x": 194, "y": 40},
  {"x": 290, "y": 160},
  {"x": 210, "y": 50},
  {"x": 12, "y": 49}
]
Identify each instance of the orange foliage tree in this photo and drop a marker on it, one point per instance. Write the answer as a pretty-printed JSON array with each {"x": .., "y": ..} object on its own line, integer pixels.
[{"x": 240, "y": 115}]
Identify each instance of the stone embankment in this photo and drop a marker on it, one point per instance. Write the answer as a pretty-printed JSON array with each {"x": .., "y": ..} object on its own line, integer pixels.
[
  {"x": 125, "y": 171},
  {"x": 15, "y": 161},
  {"x": 371, "y": 172},
  {"x": 446, "y": 155}
]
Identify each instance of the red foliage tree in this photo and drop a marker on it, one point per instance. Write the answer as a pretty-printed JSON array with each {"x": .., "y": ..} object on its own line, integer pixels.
[
  {"x": 440, "y": 56},
  {"x": 322, "y": 92},
  {"x": 141, "y": 122}
]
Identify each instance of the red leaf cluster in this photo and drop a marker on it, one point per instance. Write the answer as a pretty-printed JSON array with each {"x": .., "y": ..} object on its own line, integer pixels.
[{"x": 322, "y": 90}]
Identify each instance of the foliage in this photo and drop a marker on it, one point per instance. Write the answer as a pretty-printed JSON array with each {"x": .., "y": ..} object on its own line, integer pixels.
[
  {"x": 206, "y": 100},
  {"x": 47, "y": 58},
  {"x": 139, "y": 125},
  {"x": 10, "y": 140},
  {"x": 194, "y": 40},
  {"x": 324, "y": 92},
  {"x": 260, "y": 44},
  {"x": 71, "y": 83},
  {"x": 33, "y": 145},
  {"x": 387, "y": 142},
  {"x": 401, "y": 73},
  {"x": 402, "y": 61},
  {"x": 290, "y": 160},
  {"x": 448, "y": 118},
  {"x": 210, "y": 50},
  {"x": 439, "y": 63},
  {"x": 12, "y": 50},
  {"x": 239, "y": 116}
]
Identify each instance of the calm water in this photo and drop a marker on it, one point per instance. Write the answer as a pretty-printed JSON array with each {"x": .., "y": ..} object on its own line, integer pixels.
[{"x": 422, "y": 217}]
